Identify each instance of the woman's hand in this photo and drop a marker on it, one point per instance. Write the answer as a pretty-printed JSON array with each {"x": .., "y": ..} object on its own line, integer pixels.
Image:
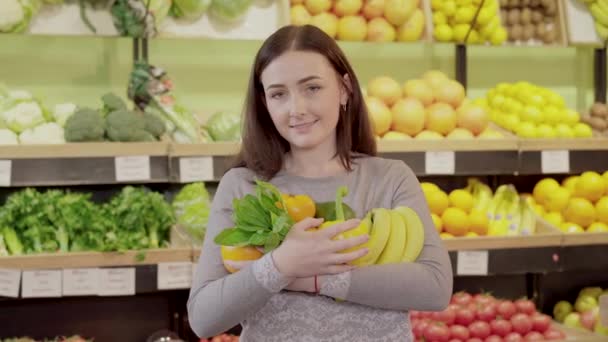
[{"x": 304, "y": 254}]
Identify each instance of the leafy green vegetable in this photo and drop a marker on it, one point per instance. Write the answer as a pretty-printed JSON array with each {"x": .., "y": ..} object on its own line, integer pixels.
[
  {"x": 258, "y": 220},
  {"x": 224, "y": 126},
  {"x": 192, "y": 206},
  {"x": 85, "y": 125}
]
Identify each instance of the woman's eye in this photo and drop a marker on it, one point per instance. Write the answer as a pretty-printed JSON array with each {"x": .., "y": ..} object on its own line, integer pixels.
[
  {"x": 277, "y": 95},
  {"x": 314, "y": 88}
]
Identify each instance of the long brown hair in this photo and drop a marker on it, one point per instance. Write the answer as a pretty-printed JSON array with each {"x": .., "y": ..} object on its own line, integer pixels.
[{"x": 262, "y": 147}]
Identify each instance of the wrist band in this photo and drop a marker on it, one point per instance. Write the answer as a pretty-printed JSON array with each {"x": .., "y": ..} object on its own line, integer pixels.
[{"x": 316, "y": 285}]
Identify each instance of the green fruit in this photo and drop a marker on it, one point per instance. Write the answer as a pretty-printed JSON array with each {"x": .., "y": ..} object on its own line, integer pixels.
[
  {"x": 443, "y": 33},
  {"x": 561, "y": 310},
  {"x": 594, "y": 292},
  {"x": 585, "y": 303},
  {"x": 600, "y": 329},
  {"x": 573, "y": 320}
]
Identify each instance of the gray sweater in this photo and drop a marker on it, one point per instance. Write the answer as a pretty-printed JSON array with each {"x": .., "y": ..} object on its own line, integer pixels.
[{"x": 377, "y": 297}]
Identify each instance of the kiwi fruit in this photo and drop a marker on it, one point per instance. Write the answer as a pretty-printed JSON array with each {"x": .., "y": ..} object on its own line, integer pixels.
[
  {"x": 516, "y": 32},
  {"x": 599, "y": 110},
  {"x": 541, "y": 30},
  {"x": 551, "y": 10},
  {"x": 528, "y": 32},
  {"x": 550, "y": 36},
  {"x": 534, "y": 3},
  {"x": 514, "y": 3},
  {"x": 504, "y": 15},
  {"x": 525, "y": 17},
  {"x": 598, "y": 123},
  {"x": 514, "y": 17},
  {"x": 585, "y": 117},
  {"x": 537, "y": 16},
  {"x": 525, "y": 3},
  {"x": 504, "y": 3}
]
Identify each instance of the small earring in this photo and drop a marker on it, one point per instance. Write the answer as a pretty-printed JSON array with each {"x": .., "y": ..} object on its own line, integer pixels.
[{"x": 344, "y": 107}]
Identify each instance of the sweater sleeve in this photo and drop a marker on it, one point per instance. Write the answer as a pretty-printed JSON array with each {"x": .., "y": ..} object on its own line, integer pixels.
[
  {"x": 219, "y": 300},
  {"x": 425, "y": 284}
]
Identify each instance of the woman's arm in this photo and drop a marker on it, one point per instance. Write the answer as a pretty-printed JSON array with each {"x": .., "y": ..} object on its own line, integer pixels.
[
  {"x": 220, "y": 300},
  {"x": 425, "y": 284}
]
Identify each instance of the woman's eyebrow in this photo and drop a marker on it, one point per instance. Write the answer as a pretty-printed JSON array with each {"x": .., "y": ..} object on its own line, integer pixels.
[{"x": 303, "y": 80}]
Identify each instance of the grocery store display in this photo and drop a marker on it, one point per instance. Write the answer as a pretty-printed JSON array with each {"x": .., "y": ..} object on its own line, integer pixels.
[
  {"x": 192, "y": 205},
  {"x": 597, "y": 118},
  {"x": 362, "y": 20},
  {"x": 579, "y": 204},
  {"x": 599, "y": 11},
  {"x": 432, "y": 107},
  {"x": 75, "y": 338},
  {"x": 466, "y": 21},
  {"x": 16, "y": 15},
  {"x": 531, "y": 111},
  {"x": 531, "y": 21},
  {"x": 584, "y": 312}
]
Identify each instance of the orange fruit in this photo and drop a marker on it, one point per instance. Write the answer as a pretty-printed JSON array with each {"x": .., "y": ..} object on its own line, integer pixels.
[
  {"x": 471, "y": 234},
  {"x": 590, "y": 186},
  {"x": 445, "y": 235},
  {"x": 558, "y": 200},
  {"x": 544, "y": 189},
  {"x": 461, "y": 199},
  {"x": 455, "y": 221},
  {"x": 597, "y": 227},
  {"x": 437, "y": 222},
  {"x": 569, "y": 227},
  {"x": 601, "y": 210},
  {"x": 478, "y": 222},
  {"x": 438, "y": 202},
  {"x": 580, "y": 211},
  {"x": 245, "y": 253}
]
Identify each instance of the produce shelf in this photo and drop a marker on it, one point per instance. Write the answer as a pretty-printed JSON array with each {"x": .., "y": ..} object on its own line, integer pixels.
[{"x": 584, "y": 154}]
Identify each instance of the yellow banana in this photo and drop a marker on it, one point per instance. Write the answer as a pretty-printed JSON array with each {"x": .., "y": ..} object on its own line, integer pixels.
[
  {"x": 528, "y": 219},
  {"x": 602, "y": 30},
  {"x": 364, "y": 228},
  {"x": 495, "y": 202},
  {"x": 415, "y": 234},
  {"x": 393, "y": 251},
  {"x": 599, "y": 14},
  {"x": 498, "y": 225},
  {"x": 380, "y": 228},
  {"x": 603, "y": 4},
  {"x": 482, "y": 196},
  {"x": 513, "y": 213}
]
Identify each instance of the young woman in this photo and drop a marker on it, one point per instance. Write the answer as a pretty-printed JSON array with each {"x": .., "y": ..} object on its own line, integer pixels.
[{"x": 306, "y": 130}]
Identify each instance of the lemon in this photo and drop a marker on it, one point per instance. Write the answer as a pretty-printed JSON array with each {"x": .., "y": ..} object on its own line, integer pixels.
[
  {"x": 439, "y": 18},
  {"x": 499, "y": 36},
  {"x": 488, "y": 29},
  {"x": 597, "y": 227},
  {"x": 591, "y": 186},
  {"x": 455, "y": 221},
  {"x": 601, "y": 210},
  {"x": 446, "y": 236},
  {"x": 605, "y": 176},
  {"x": 582, "y": 130},
  {"x": 539, "y": 209},
  {"x": 449, "y": 8},
  {"x": 471, "y": 234},
  {"x": 443, "y": 33},
  {"x": 437, "y": 5},
  {"x": 239, "y": 254},
  {"x": 464, "y": 15},
  {"x": 555, "y": 218},
  {"x": 427, "y": 188},
  {"x": 438, "y": 202},
  {"x": 460, "y": 32},
  {"x": 569, "y": 227},
  {"x": 437, "y": 222},
  {"x": 485, "y": 16},
  {"x": 299, "y": 15},
  {"x": 478, "y": 222},
  {"x": 544, "y": 189},
  {"x": 461, "y": 199},
  {"x": 558, "y": 200},
  {"x": 564, "y": 131},
  {"x": 570, "y": 183},
  {"x": 580, "y": 211},
  {"x": 526, "y": 130},
  {"x": 570, "y": 117}
]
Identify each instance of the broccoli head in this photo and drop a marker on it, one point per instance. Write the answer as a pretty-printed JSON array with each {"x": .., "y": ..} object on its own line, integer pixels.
[
  {"x": 111, "y": 103},
  {"x": 154, "y": 125},
  {"x": 124, "y": 125},
  {"x": 84, "y": 125}
]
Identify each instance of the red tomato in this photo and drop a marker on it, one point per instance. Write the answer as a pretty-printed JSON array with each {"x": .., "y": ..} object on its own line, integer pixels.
[
  {"x": 425, "y": 314},
  {"x": 554, "y": 334},
  {"x": 437, "y": 332},
  {"x": 474, "y": 339},
  {"x": 534, "y": 336},
  {"x": 480, "y": 329},
  {"x": 513, "y": 337},
  {"x": 454, "y": 307},
  {"x": 446, "y": 316},
  {"x": 216, "y": 339},
  {"x": 486, "y": 313},
  {"x": 460, "y": 332},
  {"x": 541, "y": 323},
  {"x": 455, "y": 340},
  {"x": 525, "y": 306},
  {"x": 521, "y": 323},
  {"x": 493, "y": 338},
  {"x": 484, "y": 299},
  {"x": 501, "y": 327},
  {"x": 506, "y": 309},
  {"x": 414, "y": 314},
  {"x": 465, "y": 317},
  {"x": 419, "y": 327},
  {"x": 461, "y": 298}
]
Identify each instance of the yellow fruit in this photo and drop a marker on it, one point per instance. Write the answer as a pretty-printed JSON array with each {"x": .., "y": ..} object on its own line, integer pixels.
[
  {"x": 391, "y": 135},
  {"x": 347, "y": 7},
  {"x": 419, "y": 90},
  {"x": 379, "y": 114},
  {"x": 605, "y": 176},
  {"x": 380, "y": 30},
  {"x": 539, "y": 209},
  {"x": 569, "y": 227},
  {"x": 478, "y": 222},
  {"x": 455, "y": 221},
  {"x": 597, "y": 227},
  {"x": 564, "y": 131},
  {"x": 545, "y": 131},
  {"x": 446, "y": 236},
  {"x": 437, "y": 222},
  {"x": 299, "y": 15},
  {"x": 555, "y": 218},
  {"x": 485, "y": 16},
  {"x": 239, "y": 254},
  {"x": 526, "y": 130},
  {"x": 582, "y": 130},
  {"x": 570, "y": 183},
  {"x": 317, "y": 6},
  {"x": 429, "y": 135},
  {"x": 398, "y": 12},
  {"x": 464, "y": 15},
  {"x": 373, "y": 9},
  {"x": 438, "y": 202},
  {"x": 449, "y": 8},
  {"x": 385, "y": 88},
  {"x": 499, "y": 36},
  {"x": 327, "y": 22},
  {"x": 440, "y": 118},
  {"x": 460, "y": 133},
  {"x": 460, "y": 32},
  {"x": 461, "y": 199},
  {"x": 544, "y": 189},
  {"x": 408, "y": 116},
  {"x": 471, "y": 234},
  {"x": 580, "y": 211},
  {"x": 436, "y": 5},
  {"x": 352, "y": 28},
  {"x": 412, "y": 29},
  {"x": 427, "y": 188},
  {"x": 601, "y": 210},
  {"x": 590, "y": 185},
  {"x": 443, "y": 33},
  {"x": 439, "y": 19},
  {"x": 557, "y": 200}
]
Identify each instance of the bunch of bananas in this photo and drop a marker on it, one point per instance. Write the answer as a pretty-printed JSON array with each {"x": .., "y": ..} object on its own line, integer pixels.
[
  {"x": 509, "y": 214},
  {"x": 396, "y": 235},
  {"x": 599, "y": 11},
  {"x": 482, "y": 194}
]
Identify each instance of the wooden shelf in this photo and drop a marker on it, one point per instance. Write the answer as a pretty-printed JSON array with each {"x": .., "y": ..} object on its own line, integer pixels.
[
  {"x": 580, "y": 144},
  {"x": 84, "y": 150}
]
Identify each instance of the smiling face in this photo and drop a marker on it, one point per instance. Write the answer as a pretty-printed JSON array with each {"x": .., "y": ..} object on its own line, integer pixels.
[{"x": 303, "y": 94}]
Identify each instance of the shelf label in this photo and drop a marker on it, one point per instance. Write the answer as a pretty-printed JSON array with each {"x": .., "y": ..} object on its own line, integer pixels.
[
  {"x": 174, "y": 275},
  {"x": 194, "y": 169},
  {"x": 132, "y": 168},
  {"x": 440, "y": 163},
  {"x": 6, "y": 168},
  {"x": 9, "y": 283},
  {"x": 81, "y": 282},
  {"x": 555, "y": 161},
  {"x": 472, "y": 263},
  {"x": 41, "y": 283},
  {"x": 117, "y": 281}
]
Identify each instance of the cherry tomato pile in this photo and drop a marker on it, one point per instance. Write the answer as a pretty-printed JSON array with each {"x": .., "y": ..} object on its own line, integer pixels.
[
  {"x": 221, "y": 338},
  {"x": 484, "y": 318}
]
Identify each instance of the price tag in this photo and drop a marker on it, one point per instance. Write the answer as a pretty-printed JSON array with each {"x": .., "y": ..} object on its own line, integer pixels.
[
  {"x": 6, "y": 168},
  {"x": 174, "y": 275},
  {"x": 555, "y": 161},
  {"x": 472, "y": 263},
  {"x": 117, "y": 281},
  {"x": 439, "y": 163},
  {"x": 81, "y": 282},
  {"x": 193, "y": 169},
  {"x": 41, "y": 283},
  {"x": 132, "y": 168},
  {"x": 9, "y": 283}
]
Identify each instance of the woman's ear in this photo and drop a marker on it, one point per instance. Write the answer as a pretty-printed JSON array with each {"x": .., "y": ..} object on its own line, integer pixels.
[{"x": 346, "y": 89}]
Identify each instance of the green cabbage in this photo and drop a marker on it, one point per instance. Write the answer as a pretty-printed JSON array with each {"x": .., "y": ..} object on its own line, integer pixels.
[
  {"x": 16, "y": 15},
  {"x": 190, "y": 9},
  {"x": 224, "y": 126},
  {"x": 192, "y": 206},
  {"x": 229, "y": 10}
]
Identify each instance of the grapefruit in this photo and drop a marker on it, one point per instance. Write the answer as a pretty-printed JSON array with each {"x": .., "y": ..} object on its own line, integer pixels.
[
  {"x": 450, "y": 92},
  {"x": 246, "y": 253},
  {"x": 472, "y": 117},
  {"x": 379, "y": 114},
  {"x": 408, "y": 116},
  {"x": 420, "y": 90},
  {"x": 441, "y": 118},
  {"x": 384, "y": 88}
]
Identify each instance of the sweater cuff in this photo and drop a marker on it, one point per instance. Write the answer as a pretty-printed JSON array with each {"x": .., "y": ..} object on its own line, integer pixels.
[
  {"x": 267, "y": 274},
  {"x": 336, "y": 286}
]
